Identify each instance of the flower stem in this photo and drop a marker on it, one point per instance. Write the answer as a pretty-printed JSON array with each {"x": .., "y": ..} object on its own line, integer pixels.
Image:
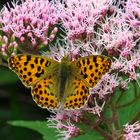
[
  {"x": 135, "y": 118},
  {"x": 115, "y": 118},
  {"x": 135, "y": 88},
  {"x": 120, "y": 97},
  {"x": 104, "y": 133},
  {"x": 96, "y": 126}
]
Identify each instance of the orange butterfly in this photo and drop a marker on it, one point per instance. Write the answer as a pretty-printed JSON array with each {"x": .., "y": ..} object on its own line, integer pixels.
[{"x": 57, "y": 84}]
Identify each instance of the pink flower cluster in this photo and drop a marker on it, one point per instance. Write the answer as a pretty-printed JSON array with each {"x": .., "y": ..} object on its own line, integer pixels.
[
  {"x": 30, "y": 21},
  {"x": 119, "y": 33},
  {"x": 132, "y": 14},
  {"x": 106, "y": 86},
  {"x": 7, "y": 48},
  {"x": 79, "y": 16},
  {"x": 96, "y": 109},
  {"x": 128, "y": 66},
  {"x": 63, "y": 122},
  {"x": 117, "y": 39},
  {"x": 132, "y": 131}
]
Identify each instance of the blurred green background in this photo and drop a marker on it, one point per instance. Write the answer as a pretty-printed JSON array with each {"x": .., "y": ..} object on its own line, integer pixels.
[{"x": 16, "y": 104}]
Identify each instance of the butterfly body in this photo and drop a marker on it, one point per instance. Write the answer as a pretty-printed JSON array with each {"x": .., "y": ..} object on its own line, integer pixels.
[
  {"x": 64, "y": 83},
  {"x": 65, "y": 72}
]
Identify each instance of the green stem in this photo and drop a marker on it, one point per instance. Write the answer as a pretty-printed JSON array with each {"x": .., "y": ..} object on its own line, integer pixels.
[
  {"x": 104, "y": 133},
  {"x": 96, "y": 126},
  {"x": 115, "y": 118},
  {"x": 135, "y": 88},
  {"x": 135, "y": 118},
  {"x": 108, "y": 122},
  {"x": 120, "y": 97},
  {"x": 113, "y": 122}
]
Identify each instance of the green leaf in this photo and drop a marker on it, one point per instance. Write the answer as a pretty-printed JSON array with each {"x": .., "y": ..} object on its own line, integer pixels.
[
  {"x": 39, "y": 126},
  {"x": 87, "y": 133},
  {"x": 50, "y": 133},
  {"x": 91, "y": 135},
  {"x": 7, "y": 76},
  {"x": 127, "y": 113}
]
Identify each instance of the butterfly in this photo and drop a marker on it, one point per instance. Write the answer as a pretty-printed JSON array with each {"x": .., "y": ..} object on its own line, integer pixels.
[{"x": 60, "y": 84}]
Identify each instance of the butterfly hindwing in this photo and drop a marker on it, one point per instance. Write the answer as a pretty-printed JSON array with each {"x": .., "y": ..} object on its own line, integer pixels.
[
  {"x": 44, "y": 92},
  {"x": 76, "y": 94},
  {"x": 92, "y": 68},
  {"x": 31, "y": 68}
]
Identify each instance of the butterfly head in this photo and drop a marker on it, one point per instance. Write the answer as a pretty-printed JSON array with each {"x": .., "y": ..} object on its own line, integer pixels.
[
  {"x": 70, "y": 57},
  {"x": 65, "y": 59}
]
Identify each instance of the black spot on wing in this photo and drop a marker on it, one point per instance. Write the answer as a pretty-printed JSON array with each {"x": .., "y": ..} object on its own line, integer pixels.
[
  {"x": 29, "y": 73},
  {"x": 28, "y": 57},
  {"x": 90, "y": 67},
  {"x": 88, "y": 62},
  {"x": 25, "y": 69},
  {"x": 48, "y": 63},
  {"x": 36, "y": 60},
  {"x": 85, "y": 76},
  {"x": 39, "y": 74},
  {"x": 25, "y": 63},
  {"x": 96, "y": 64},
  {"x": 38, "y": 68},
  {"x": 41, "y": 61},
  {"x": 94, "y": 59},
  {"x": 83, "y": 61},
  {"x": 78, "y": 64},
  {"x": 32, "y": 66}
]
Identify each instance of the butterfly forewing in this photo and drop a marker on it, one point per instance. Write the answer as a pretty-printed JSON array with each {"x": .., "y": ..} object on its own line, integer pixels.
[
  {"x": 31, "y": 68},
  {"x": 92, "y": 68}
]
